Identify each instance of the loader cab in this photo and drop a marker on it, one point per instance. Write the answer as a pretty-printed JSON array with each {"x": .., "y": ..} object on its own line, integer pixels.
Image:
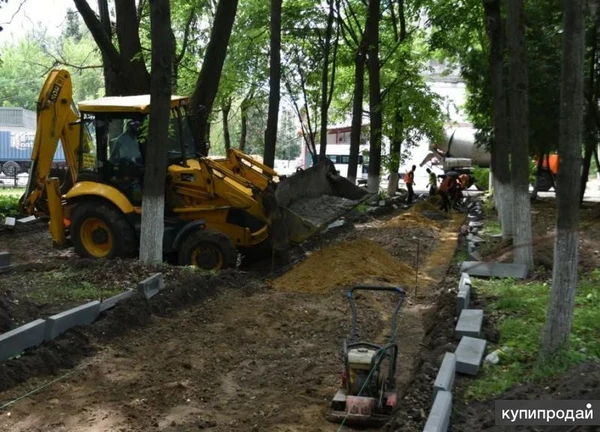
[{"x": 114, "y": 141}]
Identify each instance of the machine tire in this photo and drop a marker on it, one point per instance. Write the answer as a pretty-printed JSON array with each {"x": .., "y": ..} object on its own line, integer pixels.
[
  {"x": 98, "y": 219},
  {"x": 544, "y": 182},
  {"x": 11, "y": 168},
  {"x": 220, "y": 253}
]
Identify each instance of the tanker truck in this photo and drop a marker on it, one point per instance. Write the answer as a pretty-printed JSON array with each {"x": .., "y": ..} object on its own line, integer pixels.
[{"x": 459, "y": 152}]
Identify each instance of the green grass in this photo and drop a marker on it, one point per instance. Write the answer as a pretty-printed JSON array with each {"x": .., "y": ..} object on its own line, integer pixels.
[
  {"x": 67, "y": 286},
  {"x": 492, "y": 227},
  {"x": 521, "y": 311},
  {"x": 11, "y": 192},
  {"x": 460, "y": 256}
]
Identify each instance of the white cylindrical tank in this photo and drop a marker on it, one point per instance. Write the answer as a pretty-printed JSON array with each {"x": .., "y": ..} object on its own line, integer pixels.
[{"x": 463, "y": 146}]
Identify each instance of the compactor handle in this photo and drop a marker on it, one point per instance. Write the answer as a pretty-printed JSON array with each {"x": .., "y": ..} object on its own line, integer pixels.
[
  {"x": 401, "y": 293},
  {"x": 398, "y": 290}
]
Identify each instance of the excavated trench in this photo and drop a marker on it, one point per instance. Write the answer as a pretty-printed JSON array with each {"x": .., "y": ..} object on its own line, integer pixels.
[{"x": 249, "y": 357}]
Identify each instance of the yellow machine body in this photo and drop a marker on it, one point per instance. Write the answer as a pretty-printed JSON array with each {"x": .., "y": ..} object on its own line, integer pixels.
[{"x": 228, "y": 203}]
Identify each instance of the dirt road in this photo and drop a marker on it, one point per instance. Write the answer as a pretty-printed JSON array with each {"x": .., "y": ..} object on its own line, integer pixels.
[{"x": 262, "y": 359}]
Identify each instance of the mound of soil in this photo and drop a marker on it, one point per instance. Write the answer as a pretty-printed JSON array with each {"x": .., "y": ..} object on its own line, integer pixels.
[{"x": 344, "y": 264}]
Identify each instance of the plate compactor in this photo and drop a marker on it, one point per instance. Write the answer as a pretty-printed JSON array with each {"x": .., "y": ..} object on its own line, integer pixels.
[{"x": 368, "y": 392}]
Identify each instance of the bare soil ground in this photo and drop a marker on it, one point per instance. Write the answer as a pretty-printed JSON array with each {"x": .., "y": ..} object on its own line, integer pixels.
[
  {"x": 246, "y": 356},
  {"x": 543, "y": 219}
]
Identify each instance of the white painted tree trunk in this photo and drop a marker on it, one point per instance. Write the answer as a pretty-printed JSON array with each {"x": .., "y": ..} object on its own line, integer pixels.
[
  {"x": 519, "y": 132},
  {"x": 566, "y": 257},
  {"x": 522, "y": 241},
  {"x": 562, "y": 296},
  {"x": 373, "y": 184},
  {"x": 151, "y": 244},
  {"x": 393, "y": 184},
  {"x": 153, "y": 205},
  {"x": 504, "y": 199}
]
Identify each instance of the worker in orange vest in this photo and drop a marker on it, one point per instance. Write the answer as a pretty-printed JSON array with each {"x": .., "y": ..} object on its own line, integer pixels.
[
  {"x": 444, "y": 190},
  {"x": 409, "y": 180}
]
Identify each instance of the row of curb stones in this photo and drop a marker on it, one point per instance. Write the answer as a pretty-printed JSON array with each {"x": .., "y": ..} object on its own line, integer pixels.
[
  {"x": 14, "y": 342},
  {"x": 469, "y": 353}
]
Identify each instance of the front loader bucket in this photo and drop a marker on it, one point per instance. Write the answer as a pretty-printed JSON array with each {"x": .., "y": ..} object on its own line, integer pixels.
[{"x": 313, "y": 198}]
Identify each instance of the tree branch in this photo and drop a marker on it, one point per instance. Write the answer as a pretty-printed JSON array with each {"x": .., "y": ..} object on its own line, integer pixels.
[
  {"x": 186, "y": 35},
  {"x": 102, "y": 39}
]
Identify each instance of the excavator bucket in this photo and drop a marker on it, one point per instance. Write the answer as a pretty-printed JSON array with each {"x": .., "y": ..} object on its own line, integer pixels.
[{"x": 313, "y": 198}]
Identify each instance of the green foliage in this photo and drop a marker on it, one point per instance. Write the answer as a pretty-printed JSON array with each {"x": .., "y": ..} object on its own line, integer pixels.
[
  {"x": 288, "y": 141},
  {"x": 521, "y": 311},
  {"x": 482, "y": 177},
  {"x": 458, "y": 33},
  {"x": 9, "y": 204},
  {"x": 27, "y": 61}
]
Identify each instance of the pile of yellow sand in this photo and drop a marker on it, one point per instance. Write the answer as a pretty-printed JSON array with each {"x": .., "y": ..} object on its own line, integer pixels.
[
  {"x": 345, "y": 264},
  {"x": 414, "y": 218}
]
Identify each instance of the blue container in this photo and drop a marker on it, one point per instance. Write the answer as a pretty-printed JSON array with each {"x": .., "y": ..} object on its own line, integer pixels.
[{"x": 18, "y": 147}]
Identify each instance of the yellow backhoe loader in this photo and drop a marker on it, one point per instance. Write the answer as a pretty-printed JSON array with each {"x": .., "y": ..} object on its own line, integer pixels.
[{"x": 214, "y": 208}]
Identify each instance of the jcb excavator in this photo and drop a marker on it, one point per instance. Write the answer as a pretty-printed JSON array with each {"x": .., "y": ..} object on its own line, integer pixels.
[{"x": 214, "y": 208}]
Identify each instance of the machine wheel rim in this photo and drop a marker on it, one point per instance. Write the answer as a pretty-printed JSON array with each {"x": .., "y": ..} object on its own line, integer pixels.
[
  {"x": 96, "y": 237},
  {"x": 207, "y": 257}
]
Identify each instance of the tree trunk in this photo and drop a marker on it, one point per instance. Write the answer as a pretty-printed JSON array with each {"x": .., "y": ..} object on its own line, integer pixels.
[
  {"x": 500, "y": 145},
  {"x": 325, "y": 99},
  {"x": 110, "y": 78},
  {"x": 519, "y": 127},
  {"x": 564, "y": 271},
  {"x": 374, "y": 96},
  {"x": 244, "y": 107},
  {"x": 587, "y": 162},
  {"x": 591, "y": 98},
  {"x": 125, "y": 71},
  {"x": 225, "y": 109},
  {"x": 274, "y": 84},
  {"x": 134, "y": 78},
  {"x": 151, "y": 242},
  {"x": 210, "y": 74},
  {"x": 357, "y": 108},
  {"x": 396, "y": 146}
]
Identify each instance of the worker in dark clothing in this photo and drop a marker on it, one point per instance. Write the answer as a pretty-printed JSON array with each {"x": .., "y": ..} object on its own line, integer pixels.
[
  {"x": 432, "y": 182},
  {"x": 409, "y": 180},
  {"x": 445, "y": 190}
]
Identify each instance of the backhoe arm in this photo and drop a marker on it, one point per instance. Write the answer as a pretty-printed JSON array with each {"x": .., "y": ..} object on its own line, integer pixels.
[{"x": 56, "y": 118}]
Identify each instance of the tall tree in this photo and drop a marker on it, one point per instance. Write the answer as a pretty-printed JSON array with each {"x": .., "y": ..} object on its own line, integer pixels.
[
  {"x": 500, "y": 143},
  {"x": 327, "y": 87},
  {"x": 125, "y": 70},
  {"x": 375, "y": 108},
  {"x": 244, "y": 107},
  {"x": 225, "y": 110},
  {"x": 355, "y": 36},
  {"x": 564, "y": 271},
  {"x": 274, "y": 84},
  {"x": 151, "y": 242},
  {"x": 519, "y": 127},
  {"x": 399, "y": 26},
  {"x": 592, "y": 87},
  {"x": 210, "y": 74}
]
